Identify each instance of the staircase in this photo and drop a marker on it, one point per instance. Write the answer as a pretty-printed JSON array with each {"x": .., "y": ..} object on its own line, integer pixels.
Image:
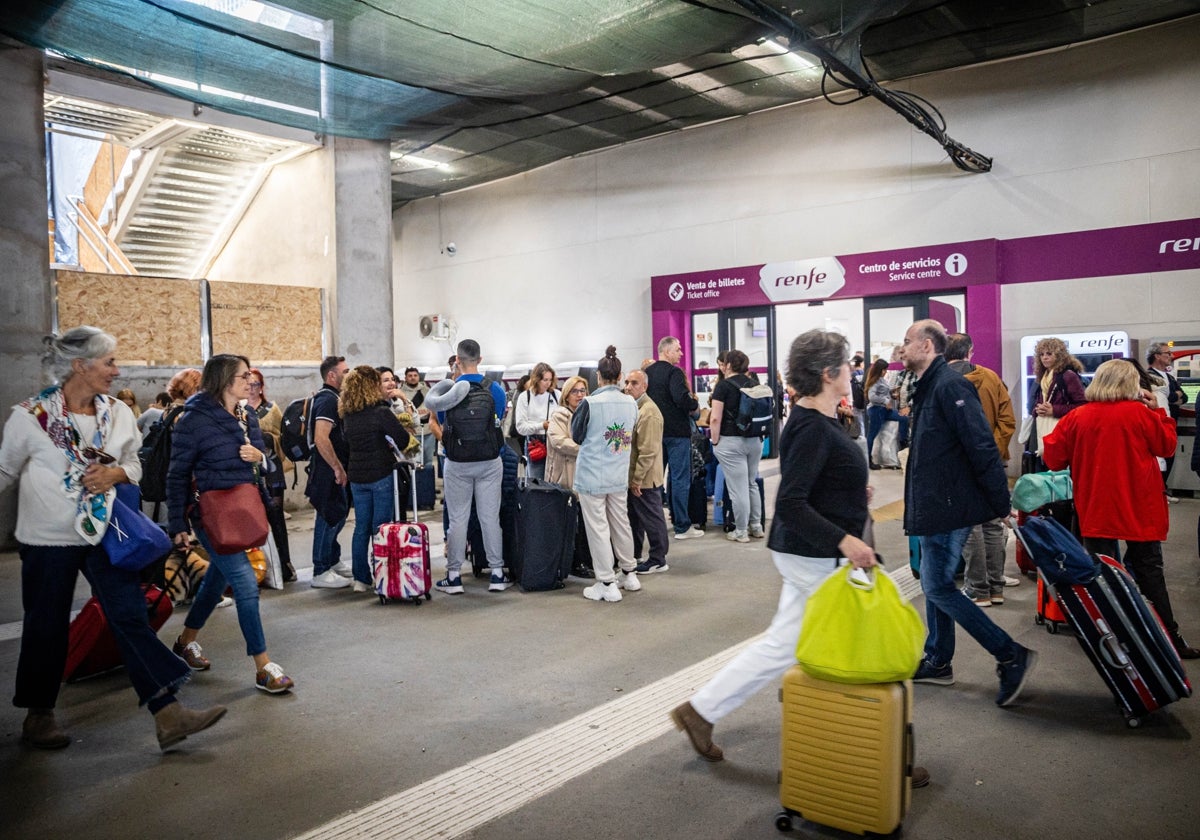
[{"x": 183, "y": 188}]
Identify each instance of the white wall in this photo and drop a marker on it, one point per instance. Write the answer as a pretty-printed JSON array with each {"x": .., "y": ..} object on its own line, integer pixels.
[
  {"x": 556, "y": 263},
  {"x": 286, "y": 236}
]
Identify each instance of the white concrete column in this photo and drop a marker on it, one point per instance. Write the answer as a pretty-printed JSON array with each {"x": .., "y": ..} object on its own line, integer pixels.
[
  {"x": 362, "y": 296},
  {"x": 25, "y": 288}
]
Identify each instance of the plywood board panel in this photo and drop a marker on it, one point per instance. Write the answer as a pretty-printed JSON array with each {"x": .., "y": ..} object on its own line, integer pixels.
[
  {"x": 156, "y": 320},
  {"x": 269, "y": 324}
]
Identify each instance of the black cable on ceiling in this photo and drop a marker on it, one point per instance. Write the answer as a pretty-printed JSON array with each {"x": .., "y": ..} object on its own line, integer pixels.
[{"x": 918, "y": 111}]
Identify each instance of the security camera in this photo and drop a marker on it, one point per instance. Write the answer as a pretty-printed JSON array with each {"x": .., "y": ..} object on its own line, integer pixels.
[{"x": 451, "y": 248}]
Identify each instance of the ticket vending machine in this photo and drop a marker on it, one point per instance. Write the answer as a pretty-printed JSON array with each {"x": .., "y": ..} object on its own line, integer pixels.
[{"x": 1092, "y": 349}]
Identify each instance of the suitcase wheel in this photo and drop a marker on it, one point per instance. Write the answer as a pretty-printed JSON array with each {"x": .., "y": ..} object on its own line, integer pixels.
[
  {"x": 1132, "y": 721},
  {"x": 383, "y": 599},
  {"x": 428, "y": 596},
  {"x": 416, "y": 599},
  {"x": 783, "y": 821},
  {"x": 1052, "y": 628},
  {"x": 1039, "y": 620}
]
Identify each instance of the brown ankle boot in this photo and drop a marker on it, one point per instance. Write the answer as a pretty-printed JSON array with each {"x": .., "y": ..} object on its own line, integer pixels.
[
  {"x": 41, "y": 730},
  {"x": 174, "y": 722},
  {"x": 698, "y": 730}
]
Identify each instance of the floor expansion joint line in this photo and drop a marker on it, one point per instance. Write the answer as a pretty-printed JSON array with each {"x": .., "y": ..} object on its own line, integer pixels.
[{"x": 462, "y": 799}]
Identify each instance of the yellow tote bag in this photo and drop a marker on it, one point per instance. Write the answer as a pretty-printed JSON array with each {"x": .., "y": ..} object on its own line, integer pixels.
[{"x": 857, "y": 629}]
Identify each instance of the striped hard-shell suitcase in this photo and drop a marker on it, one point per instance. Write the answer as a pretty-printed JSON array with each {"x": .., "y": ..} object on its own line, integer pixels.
[{"x": 1125, "y": 640}]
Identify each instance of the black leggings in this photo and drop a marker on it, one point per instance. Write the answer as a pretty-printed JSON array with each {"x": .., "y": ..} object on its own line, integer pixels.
[
  {"x": 279, "y": 527},
  {"x": 1144, "y": 561}
]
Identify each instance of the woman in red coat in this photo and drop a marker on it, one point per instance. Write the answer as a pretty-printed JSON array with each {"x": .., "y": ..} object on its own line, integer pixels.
[{"x": 1112, "y": 445}]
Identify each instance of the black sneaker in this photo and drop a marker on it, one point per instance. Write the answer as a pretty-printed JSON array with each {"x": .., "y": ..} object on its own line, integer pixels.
[
  {"x": 927, "y": 673},
  {"x": 648, "y": 568},
  {"x": 1013, "y": 673}
]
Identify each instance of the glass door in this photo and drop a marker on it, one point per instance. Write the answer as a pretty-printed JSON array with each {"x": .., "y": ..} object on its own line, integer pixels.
[
  {"x": 886, "y": 319},
  {"x": 752, "y": 331}
]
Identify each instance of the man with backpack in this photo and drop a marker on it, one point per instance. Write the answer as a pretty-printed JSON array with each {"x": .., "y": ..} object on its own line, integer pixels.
[
  {"x": 326, "y": 488},
  {"x": 469, "y": 412}
]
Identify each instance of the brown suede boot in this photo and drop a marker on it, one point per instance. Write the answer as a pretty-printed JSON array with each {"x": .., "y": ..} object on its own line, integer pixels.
[
  {"x": 41, "y": 730},
  {"x": 174, "y": 722},
  {"x": 698, "y": 730}
]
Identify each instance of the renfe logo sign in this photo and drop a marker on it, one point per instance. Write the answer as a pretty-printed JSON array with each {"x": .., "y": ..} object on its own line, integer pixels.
[{"x": 785, "y": 282}]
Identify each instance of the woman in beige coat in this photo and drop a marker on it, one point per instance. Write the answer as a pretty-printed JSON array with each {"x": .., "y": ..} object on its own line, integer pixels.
[{"x": 561, "y": 451}]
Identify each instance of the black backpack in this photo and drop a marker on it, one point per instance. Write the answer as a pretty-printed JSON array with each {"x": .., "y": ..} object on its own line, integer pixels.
[
  {"x": 155, "y": 455},
  {"x": 295, "y": 435},
  {"x": 471, "y": 431},
  {"x": 755, "y": 411}
]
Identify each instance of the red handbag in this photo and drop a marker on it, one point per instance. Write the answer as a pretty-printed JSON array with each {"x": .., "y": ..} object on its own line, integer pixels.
[
  {"x": 234, "y": 518},
  {"x": 536, "y": 448}
]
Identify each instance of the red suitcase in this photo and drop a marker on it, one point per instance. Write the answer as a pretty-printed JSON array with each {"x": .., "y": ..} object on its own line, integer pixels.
[
  {"x": 91, "y": 646},
  {"x": 1049, "y": 612},
  {"x": 400, "y": 556}
]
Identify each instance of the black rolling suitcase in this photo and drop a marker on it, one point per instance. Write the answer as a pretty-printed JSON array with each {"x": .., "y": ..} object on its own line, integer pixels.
[
  {"x": 1125, "y": 640},
  {"x": 727, "y": 507},
  {"x": 546, "y": 520},
  {"x": 1120, "y": 633}
]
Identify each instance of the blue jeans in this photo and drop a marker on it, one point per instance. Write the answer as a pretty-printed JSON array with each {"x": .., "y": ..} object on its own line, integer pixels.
[
  {"x": 374, "y": 504},
  {"x": 48, "y": 575},
  {"x": 232, "y": 570},
  {"x": 678, "y": 453},
  {"x": 327, "y": 553},
  {"x": 945, "y": 603}
]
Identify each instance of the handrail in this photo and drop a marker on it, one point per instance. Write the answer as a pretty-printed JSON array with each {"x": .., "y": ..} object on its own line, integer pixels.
[{"x": 94, "y": 230}]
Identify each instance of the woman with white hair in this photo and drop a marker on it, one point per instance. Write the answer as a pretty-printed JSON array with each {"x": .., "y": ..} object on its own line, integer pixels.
[
  {"x": 70, "y": 445},
  {"x": 1112, "y": 444}
]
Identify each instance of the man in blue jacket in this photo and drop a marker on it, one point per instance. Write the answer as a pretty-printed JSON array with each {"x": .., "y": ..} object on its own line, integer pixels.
[{"x": 954, "y": 481}]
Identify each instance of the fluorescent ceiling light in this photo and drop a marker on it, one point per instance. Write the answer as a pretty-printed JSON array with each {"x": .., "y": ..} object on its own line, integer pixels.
[{"x": 418, "y": 161}]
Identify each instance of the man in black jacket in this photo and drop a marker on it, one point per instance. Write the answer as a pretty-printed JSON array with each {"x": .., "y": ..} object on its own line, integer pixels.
[
  {"x": 666, "y": 385},
  {"x": 954, "y": 480}
]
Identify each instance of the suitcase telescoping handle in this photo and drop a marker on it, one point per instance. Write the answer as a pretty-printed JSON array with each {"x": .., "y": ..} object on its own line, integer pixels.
[{"x": 401, "y": 463}]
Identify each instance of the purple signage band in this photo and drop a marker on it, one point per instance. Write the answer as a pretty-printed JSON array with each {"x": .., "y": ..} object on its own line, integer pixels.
[
  {"x": 1137, "y": 249},
  {"x": 1148, "y": 248},
  {"x": 927, "y": 268}
]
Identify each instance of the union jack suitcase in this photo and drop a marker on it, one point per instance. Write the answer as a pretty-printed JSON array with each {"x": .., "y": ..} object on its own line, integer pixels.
[{"x": 400, "y": 557}]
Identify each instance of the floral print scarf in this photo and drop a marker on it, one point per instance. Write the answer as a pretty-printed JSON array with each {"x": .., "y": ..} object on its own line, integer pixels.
[{"x": 49, "y": 408}]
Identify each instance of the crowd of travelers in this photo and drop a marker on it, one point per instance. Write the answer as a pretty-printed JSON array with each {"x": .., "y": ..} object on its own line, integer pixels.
[{"x": 628, "y": 451}]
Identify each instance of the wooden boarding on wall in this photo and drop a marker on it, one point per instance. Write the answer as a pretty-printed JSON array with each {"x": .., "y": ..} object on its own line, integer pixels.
[
  {"x": 156, "y": 320},
  {"x": 270, "y": 325}
]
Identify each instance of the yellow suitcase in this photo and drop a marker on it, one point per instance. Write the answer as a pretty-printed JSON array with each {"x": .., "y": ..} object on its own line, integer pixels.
[{"x": 847, "y": 753}]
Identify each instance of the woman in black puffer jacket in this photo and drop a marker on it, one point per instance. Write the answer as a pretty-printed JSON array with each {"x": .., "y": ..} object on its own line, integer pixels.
[
  {"x": 368, "y": 422},
  {"x": 217, "y": 444}
]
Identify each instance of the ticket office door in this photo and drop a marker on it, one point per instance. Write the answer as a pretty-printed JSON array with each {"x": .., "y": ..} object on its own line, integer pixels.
[{"x": 752, "y": 330}]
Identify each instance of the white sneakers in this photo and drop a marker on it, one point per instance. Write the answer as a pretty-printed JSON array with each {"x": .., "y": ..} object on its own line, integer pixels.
[
  {"x": 1011, "y": 581},
  {"x": 738, "y": 536},
  {"x": 691, "y": 532},
  {"x": 603, "y": 592},
  {"x": 359, "y": 586},
  {"x": 757, "y": 532},
  {"x": 344, "y": 569},
  {"x": 629, "y": 581},
  {"x": 330, "y": 580}
]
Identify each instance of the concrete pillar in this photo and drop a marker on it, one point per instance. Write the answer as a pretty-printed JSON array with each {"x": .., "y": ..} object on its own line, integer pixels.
[
  {"x": 25, "y": 287},
  {"x": 362, "y": 297}
]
